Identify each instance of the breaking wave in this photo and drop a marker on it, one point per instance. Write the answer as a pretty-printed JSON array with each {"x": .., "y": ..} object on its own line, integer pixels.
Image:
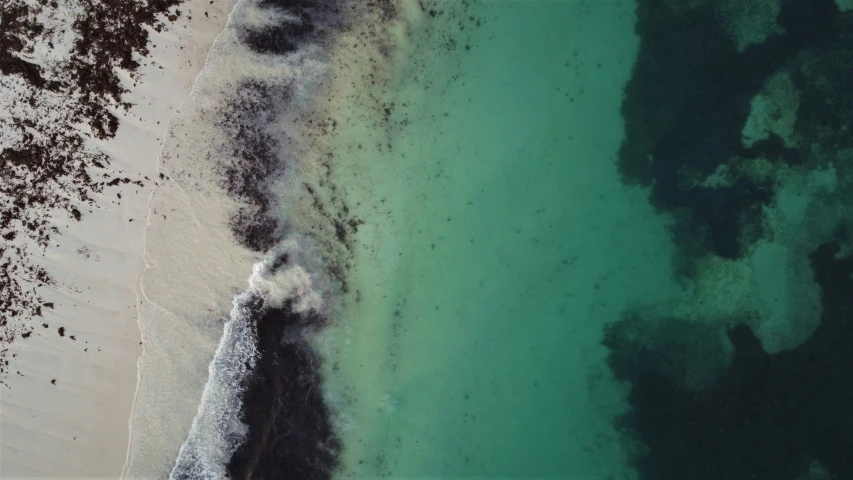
[{"x": 218, "y": 429}]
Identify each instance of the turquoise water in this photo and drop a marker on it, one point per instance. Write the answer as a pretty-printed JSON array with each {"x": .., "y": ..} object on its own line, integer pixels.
[
  {"x": 599, "y": 240},
  {"x": 497, "y": 242}
]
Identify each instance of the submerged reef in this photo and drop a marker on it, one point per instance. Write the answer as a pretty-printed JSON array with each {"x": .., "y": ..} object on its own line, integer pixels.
[
  {"x": 763, "y": 416},
  {"x": 686, "y": 106},
  {"x": 721, "y": 125}
]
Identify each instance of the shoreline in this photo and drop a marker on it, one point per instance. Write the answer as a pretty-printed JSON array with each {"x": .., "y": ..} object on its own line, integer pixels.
[
  {"x": 232, "y": 191},
  {"x": 210, "y": 223},
  {"x": 213, "y": 30}
]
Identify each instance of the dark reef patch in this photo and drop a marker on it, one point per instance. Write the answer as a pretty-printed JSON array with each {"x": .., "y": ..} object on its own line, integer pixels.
[
  {"x": 676, "y": 349},
  {"x": 705, "y": 402},
  {"x": 825, "y": 115},
  {"x": 766, "y": 417},
  {"x": 290, "y": 429},
  {"x": 686, "y": 106}
]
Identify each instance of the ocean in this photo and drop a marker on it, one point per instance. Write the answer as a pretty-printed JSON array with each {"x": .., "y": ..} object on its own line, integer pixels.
[
  {"x": 498, "y": 240},
  {"x": 504, "y": 239}
]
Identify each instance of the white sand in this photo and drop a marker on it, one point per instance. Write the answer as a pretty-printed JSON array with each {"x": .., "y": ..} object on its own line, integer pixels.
[{"x": 78, "y": 428}]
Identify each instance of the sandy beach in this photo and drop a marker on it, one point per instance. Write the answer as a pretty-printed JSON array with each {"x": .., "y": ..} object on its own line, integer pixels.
[{"x": 65, "y": 406}]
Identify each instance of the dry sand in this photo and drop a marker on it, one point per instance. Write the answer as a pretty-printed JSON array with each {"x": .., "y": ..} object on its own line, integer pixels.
[{"x": 65, "y": 411}]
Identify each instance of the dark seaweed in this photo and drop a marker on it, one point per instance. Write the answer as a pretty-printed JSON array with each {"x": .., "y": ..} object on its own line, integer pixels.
[
  {"x": 50, "y": 169},
  {"x": 254, "y": 162},
  {"x": 290, "y": 430},
  {"x": 286, "y": 37},
  {"x": 279, "y": 39}
]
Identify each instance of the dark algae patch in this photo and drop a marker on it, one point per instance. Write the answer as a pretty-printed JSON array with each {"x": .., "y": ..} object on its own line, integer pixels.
[
  {"x": 709, "y": 402},
  {"x": 290, "y": 430},
  {"x": 687, "y": 103},
  {"x": 45, "y": 163},
  {"x": 286, "y": 36},
  {"x": 764, "y": 416},
  {"x": 254, "y": 162}
]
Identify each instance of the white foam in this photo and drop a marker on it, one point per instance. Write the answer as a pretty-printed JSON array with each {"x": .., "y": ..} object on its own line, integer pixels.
[{"x": 217, "y": 430}]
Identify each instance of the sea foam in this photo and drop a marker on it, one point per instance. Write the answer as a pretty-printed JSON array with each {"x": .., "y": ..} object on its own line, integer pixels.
[{"x": 217, "y": 430}]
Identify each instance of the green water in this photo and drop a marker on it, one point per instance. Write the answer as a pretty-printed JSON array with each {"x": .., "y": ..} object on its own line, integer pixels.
[{"x": 497, "y": 243}]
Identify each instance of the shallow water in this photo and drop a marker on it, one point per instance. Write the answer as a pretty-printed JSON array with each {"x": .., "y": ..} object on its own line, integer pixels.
[{"x": 497, "y": 241}]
